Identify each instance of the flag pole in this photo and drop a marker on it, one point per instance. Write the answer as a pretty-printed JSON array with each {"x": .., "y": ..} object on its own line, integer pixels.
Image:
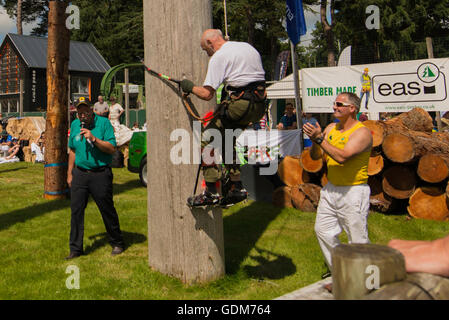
[{"x": 297, "y": 94}]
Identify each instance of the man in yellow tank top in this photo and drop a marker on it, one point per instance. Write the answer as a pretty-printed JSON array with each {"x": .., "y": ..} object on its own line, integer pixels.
[{"x": 344, "y": 201}]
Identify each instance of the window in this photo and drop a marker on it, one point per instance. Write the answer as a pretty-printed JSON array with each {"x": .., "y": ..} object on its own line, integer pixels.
[
  {"x": 79, "y": 87},
  {"x": 9, "y": 105}
]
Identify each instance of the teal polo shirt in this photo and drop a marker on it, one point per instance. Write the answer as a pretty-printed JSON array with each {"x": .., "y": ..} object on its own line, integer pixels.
[{"x": 86, "y": 156}]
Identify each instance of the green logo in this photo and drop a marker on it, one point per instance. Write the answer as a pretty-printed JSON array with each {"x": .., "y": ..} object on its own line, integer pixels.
[{"x": 428, "y": 73}]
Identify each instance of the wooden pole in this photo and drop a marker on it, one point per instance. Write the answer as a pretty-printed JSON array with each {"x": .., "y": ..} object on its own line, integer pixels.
[
  {"x": 127, "y": 96},
  {"x": 55, "y": 171},
  {"x": 184, "y": 243},
  {"x": 429, "y": 46},
  {"x": 21, "y": 91},
  {"x": 297, "y": 94}
]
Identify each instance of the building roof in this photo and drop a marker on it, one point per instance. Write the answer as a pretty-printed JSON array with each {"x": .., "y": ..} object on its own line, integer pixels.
[{"x": 83, "y": 55}]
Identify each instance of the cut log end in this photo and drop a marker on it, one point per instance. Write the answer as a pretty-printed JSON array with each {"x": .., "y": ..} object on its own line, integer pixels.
[
  {"x": 429, "y": 203},
  {"x": 375, "y": 165},
  {"x": 398, "y": 148},
  {"x": 399, "y": 182},
  {"x": 432, "y": 168},
  {"x": 309, "y": 164},
  {"x": 291, "y": 172}
]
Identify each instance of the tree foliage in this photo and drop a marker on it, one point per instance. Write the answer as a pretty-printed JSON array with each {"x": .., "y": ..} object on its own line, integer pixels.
[
  {"x": 32, "y": 10},
  {"x": 404, "y": 25}
]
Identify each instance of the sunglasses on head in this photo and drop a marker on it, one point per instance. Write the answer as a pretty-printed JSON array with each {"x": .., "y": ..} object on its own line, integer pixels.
[{"x": 341, "y": 104}]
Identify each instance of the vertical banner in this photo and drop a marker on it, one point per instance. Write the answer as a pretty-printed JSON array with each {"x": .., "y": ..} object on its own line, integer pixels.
[{"x": 296, "y": 23}]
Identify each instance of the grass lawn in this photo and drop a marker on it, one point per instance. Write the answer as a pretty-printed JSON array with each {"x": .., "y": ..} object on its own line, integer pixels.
[{"x": 269, "y": 252}]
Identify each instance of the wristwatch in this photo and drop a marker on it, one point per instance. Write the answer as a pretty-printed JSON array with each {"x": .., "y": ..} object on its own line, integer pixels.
[
  {"x": 94, "y": 139},
  {"x": 318, "y": 140}
]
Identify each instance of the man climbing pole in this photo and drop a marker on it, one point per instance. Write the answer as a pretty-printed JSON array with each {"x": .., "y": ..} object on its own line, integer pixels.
[{"x": 238, "y": 65}]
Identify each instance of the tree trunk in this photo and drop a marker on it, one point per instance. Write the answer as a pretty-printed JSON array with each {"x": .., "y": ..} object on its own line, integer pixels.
[
  {"x": 291, "y": 172},
  {"x": 251, "y": 26},
  {"x": 19, "y": 17},
  {"x": 409, "y": 145},
  {"x": 399, "y": 182},
  {"x": 55, "y": 171},
  {"x": 328, "y": 34},
  {"x": 353, "y": 275},
  {"x": 433, "y": 168},
  {"x": 416, "y": 119},
  {"x": 429, "y": 203},
  {"x": 187, "y": 244}
]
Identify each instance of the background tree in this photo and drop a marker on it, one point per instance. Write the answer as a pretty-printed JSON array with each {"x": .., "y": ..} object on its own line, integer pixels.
[{"x": 32, "y": 10}]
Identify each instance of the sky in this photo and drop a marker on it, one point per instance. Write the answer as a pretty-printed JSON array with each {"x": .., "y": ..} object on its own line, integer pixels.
[
  {"x": 8, "y": 25},
  {"x": 311, "y": 19}
]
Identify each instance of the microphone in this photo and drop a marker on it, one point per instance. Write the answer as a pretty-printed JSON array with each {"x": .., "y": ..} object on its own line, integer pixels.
[{"x": 83, "y": 124}]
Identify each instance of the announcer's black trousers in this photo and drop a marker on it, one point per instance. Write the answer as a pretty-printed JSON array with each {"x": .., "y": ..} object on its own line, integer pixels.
[{"x": 99, "y": 185}]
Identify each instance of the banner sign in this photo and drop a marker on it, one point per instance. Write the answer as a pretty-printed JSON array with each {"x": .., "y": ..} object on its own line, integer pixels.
[
  {"x": 382, "y": 87},
  {"x": 260, "y": 146}
]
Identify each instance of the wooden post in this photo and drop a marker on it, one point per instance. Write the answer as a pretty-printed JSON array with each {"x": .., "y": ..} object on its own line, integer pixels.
[
  {"x": 127, "y": 96},
  {"x": 21, "y": 90},
  {"x": 55, "y": 171},
  {"x": 184, "y": 243},
  {"x": 358, "y": 269},
  {"x": 429, "y": 46}
]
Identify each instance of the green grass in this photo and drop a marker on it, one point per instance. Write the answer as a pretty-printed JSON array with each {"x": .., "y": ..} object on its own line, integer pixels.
[{"x": 269, "y": 251}]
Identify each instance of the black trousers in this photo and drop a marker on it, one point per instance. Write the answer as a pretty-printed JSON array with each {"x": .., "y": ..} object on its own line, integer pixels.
[{"x": 99, "y": 185}]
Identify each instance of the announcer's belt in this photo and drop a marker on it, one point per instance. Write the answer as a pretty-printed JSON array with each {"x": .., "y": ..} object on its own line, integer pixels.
[{"x": 99, "y": 169}]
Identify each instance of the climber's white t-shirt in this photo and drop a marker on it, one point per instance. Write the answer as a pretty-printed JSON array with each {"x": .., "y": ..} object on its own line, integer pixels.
[{"x": 236, "y": 64}]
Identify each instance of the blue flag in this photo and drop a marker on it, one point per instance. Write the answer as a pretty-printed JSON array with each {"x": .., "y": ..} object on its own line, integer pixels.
[{"x": 296, "y": 24}]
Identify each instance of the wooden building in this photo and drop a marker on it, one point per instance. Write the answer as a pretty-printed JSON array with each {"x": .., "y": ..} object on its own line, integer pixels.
[{"x": 25, "y": 58}]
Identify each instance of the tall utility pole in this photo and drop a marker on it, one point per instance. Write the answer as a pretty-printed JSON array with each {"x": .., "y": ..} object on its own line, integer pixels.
[
  {"x": 184, "y": 243},
  {"x": 58, "y": 54},
  {"x": 19, "y": 17}
]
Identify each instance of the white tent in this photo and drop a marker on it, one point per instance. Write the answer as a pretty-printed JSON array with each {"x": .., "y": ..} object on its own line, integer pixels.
[{"x": 283, "y": 89}]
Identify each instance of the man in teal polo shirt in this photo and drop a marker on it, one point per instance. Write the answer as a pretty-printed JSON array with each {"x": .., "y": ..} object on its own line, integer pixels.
[{"x": 91, "y": 145}]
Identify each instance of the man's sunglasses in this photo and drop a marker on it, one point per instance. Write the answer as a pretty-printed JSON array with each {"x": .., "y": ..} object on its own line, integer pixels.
[{"x": 342, "y": 104}]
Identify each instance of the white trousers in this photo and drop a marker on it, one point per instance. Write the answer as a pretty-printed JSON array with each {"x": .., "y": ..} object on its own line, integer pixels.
[{"x": 342, "y": 208}]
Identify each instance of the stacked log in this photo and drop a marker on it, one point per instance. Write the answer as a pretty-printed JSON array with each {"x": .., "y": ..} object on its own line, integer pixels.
[
  {"x": 303, "y": 178},
  {"x": 415, "y": 166},
  {"x": 408, "y": 164}
]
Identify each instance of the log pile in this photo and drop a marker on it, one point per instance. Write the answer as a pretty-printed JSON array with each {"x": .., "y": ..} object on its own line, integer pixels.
[
  {"x": 408, "y": 163},
  {"x": 29, "y": 128}
]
